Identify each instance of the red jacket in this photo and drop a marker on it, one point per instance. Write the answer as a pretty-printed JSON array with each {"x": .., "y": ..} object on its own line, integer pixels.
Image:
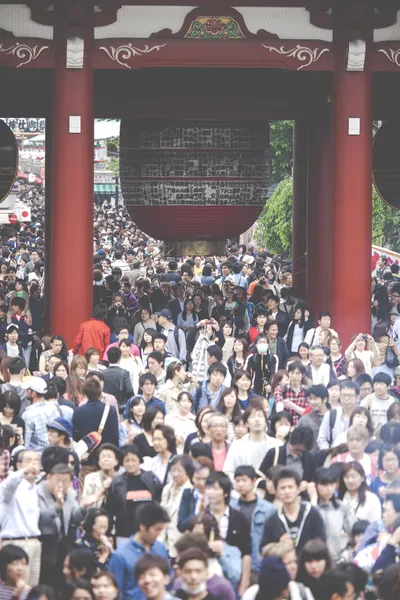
[{"x": 92, "y": 334}]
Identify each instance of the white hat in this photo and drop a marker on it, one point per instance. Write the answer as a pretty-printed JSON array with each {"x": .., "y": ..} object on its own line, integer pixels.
[
  {"x": 36, "y": 384},
  {"x": 248, "y": 259}
]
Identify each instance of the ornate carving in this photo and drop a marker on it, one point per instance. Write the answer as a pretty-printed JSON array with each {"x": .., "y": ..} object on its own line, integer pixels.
[
  {"x": 392, "y": 55},
  {"x": 356, "y": 55},
  {"x": 75, "y": 53},
  {"x": 306, "y": 55},
  {"x": 228, "y": 26},
  {"x": 24, "y": 52},
  {"x": 123, "y": 53}
]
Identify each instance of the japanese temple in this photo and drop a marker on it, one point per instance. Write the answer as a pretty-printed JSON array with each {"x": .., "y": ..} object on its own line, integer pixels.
[{"x": 191, "y": 80}]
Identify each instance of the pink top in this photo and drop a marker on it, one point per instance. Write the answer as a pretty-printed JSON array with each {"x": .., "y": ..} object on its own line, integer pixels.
[{"x": 219, "y": 458}]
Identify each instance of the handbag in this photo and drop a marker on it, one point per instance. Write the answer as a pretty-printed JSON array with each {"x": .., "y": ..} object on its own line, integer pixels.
[
  {"x": 89, "y": 442},
  {"x": 391, "y": 359}
]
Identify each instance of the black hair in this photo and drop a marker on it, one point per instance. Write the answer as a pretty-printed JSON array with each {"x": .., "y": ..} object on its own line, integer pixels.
[
  {"x": 362, "y": 490},
  {"x": 54, "y": 456},
  {"x": 315, "y": 549},
  {"x": 9, "y": 554},
  {"x": 304, "y": 436},
  {"x": 149, "y": 417},
  {"x": 41, "y": 590},
  {"x": 16, "y": 365},
  {"x": 286, "y": 473},
  {"x": 283, "y": 414},
  {"x": 60, "y": 383},
  {"x": 81, "y": 558},
  {"x": 150, "y": 513},
  {"x": 221, "y": 404},
  {"x": 382, "y": 378},
  {"x": 332, "y": 583},
  {"x": 151, "y": 561},
  {"x": 246, "y": 471},
  {"x": 131, "y": 449},
  {"x": 145, "y": 377},
  {"x": 296, "y": 364},
  {"x": 77, "y": 584},
  {"x": 157, "y": 357},
  {"x": 201, "y": 449},
  {"x": 217, "y": 367},
  {"x": 223, "y": 481},
  {"x": 186, "y": 463},
  {"x": 100, "y": 312},
  {"x": 215, "y": 351},
  {"x": 90, "y": 518},
  {"x": 350, "y": 385},
  {"x": 363, "y": 378},
  {"x": 319, "y": 391},
  {"x": 11, "y": 399},
  {"x": 114, "y": 355},
  {"x": 355, "y": 574},
  {"x": 169, "y": 435}
]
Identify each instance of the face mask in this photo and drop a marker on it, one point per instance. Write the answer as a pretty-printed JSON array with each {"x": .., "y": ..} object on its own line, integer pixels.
[
  {"x": 284, "y": 430},
  {"x": 118, "y": 304},
  {"x": 191, "y": 592},
  {"x": 262, "y": 348}
]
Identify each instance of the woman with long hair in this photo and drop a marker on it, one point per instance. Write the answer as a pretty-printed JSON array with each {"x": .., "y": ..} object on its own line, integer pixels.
[
  {"x": 238, "y": 360},
  {"x": 229, "y": 406},
  {"x": 202, "y": 434},
  {"x": 314, "y": 561},
  {"x": 298, "y": 328},
  {"x": 336, "y": 358},
  {"x": 175, "y": 384},
  {"x": 146, "y": 322},
  {"x": 79, "y": 366},
  {"x": 183, "y": 421},
  {"x": 95, "y": 540},
  {"x": 355, "y": 367},
  {"x": 61, "y": 369},
  {"x": 187, "y": 319},
  {"x": 146, "y": 346},
  {"x": 164, "y": 444},
  {"x": 133, "y": 425},
  {"x": 144, "y": 441},
  {"x": 364, "y": 347},
  {"x": 227, "y": 348},
  {"x": 280, "y": 378},
  {"x": 74, "y": 392},
  {"x": 353, "y": 490},
  {"x": 242, "y": 383}
]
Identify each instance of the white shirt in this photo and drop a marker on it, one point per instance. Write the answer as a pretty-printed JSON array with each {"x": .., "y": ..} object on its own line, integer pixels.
[
  {"x": 297, "y": 338},
  {"x": 377, "y": 408},
  {"x": 21, "y": 517}
]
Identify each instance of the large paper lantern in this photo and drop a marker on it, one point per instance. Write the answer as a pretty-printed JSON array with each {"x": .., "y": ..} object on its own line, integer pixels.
[
  {"x": 8, "y": 160},
  {"x": 194, "y": 183}
]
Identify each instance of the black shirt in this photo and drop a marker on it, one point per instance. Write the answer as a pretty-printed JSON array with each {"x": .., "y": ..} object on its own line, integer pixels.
[
  {"x": 137, "y": 493},
  {"x": 247, "y": 509}
]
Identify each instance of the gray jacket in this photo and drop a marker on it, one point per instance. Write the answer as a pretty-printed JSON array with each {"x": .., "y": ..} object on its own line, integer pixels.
[{"x": 49, "y": 520}]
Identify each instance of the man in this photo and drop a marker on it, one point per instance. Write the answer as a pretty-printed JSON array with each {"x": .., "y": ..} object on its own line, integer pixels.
[
  {"x": 335, "y": 585},
  {"x": 93, "y": 333},
  {"x": 337, "y": 420},
  {"x": 148, "y": 384},
  {"x": 155, "y": 363},
  {"x": 152, "y": 574},
  {"x": 171, "y": 275},
  {"x": 214, "y": 355},
  {"x": 52, "y": 395},
  {"x": 209, "y": 392},
  {"x": 365, "y": 382},
  {"x": 318, "y": 371},
  {"x": 12, "y": 347},
  {"x": 198, "y": 267},
  {"x": 296, "y": 454},
  {"x": 122, "y": 334},
  {"x": 116, "y": 380},
  {"x": 38, "y": 415},
  {"x": 60, "y": 432},
  {"x": 159, "y": 343},
  {"x": 293, "y": 397},
  {"x": 296, "y": 520},
  {"x": 255, "y": 510},
  {"x": 217, "y": 424},
  {"x": 237, "y": 277},
  {"x": 119, "y": 262},
  {"x": 176, "y": 305},
  {"x": 193, "y": 571},
  {"x": 281, "y": 318},
  {"x": 313, "y": 336},
  {"x": 106, "y": 398},
  {"x": 318, "y": 400},
  {"x": 380, "y": 400},
  {"x": 53, "y": 360},
  {"x": 226, "y": 271},
  {"x": 176, "y": 339},
  {"x": 251, "y": 448},
  {"x": 16, "y": 370},
  {"x": 150, "y": 521},
  {"x": 60, "y": 516},
  {"x": 19, "y": 507},
  {"x": 30, "y": 266}
]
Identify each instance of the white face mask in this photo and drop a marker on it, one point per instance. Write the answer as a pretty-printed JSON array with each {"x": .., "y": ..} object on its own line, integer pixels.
[
  {"x": 194, "y": 592},
  {"x": 283, "y": 430},
  {"x": 262, "y": 348}
]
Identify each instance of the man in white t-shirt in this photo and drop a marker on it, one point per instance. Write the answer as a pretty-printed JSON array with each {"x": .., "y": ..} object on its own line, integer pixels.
[{"x": 379, "y": 401}]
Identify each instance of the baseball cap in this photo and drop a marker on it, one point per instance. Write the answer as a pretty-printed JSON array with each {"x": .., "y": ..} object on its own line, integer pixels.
[
  {"x": 36, "y": 384},
  {"x": 61, "y": 424},
  {"x": 166, "y": 314},
  {"x": 12, "y": 326}
]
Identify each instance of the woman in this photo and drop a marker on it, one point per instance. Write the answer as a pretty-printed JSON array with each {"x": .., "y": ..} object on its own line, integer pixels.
[
  {"x": 174, "y": 385},
  {"x": 133, "y": 425},
  {"x": 14, "y": 563},
  {"x": 158, "y": 300},
  {"x": 61, "y": 369},
  {"x": 388, "y": 465},
  {"x": 79, "y": 366},
  {"x": 58, "y": 348},
  {"x": 359, "y": 416},
  {"x": 230, "y": 407},
  {"x": 96, "y": 484},
  {"x": 74, "y": 390},
  {"x": 202, "y": 434},
  {"x": 198, "y": 307},
  {"x": 353, "y": 490},
  {"x": 187, "y": 319},
  {"x": 277, "y": 345},
  {"x": 93, "y": 360},
  {"x": 95, "y": 539},
  {"x": 357, "y": 440},
  {"x": 383, "y": 341},
  {"x": 132, "y": 364},
  {"x": 80, "y": 589},
  {"x": 193, "y": 499},
  {"x": 238, "y": 360},
  {"x": 297, "y": 329},
  {"x": 146, "y": 322},
  {"x": 164, "y": 445},
  {"x": 355, "y": 367},
  {"x": 337, "y": 359},
  {"x": 144, "y": 441},
  {"x": 242, "y": 384},
  {"x": 314, "y": 561},
  {"x": 227, "y": 348},
  {"x": 10, "y": 406},
  {"x": 79, "y": 564},
  {"x": 280, "y": 426},
  {"x": 183, "y": 421},
  {"x": 364, "y": 347},
  {"x": 260, "y": 320},
  {"x": 262, "y": 365},
  {"x": 182, "y": 471},
  {"x": 303, "y": 353},
  {"x": 146, "y": 347},
  {"x": 105, "y": 586}
]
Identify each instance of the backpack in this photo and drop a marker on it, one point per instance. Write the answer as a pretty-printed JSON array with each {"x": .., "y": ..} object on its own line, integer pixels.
[{"x": 332, "y": 421}]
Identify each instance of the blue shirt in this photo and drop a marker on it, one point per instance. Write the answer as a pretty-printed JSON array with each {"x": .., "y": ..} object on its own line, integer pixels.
[{"x": 122, "y": 564}]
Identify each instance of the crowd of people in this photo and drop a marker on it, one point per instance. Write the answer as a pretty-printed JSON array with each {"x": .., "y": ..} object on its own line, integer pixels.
[{"x": 205, "y": 437}]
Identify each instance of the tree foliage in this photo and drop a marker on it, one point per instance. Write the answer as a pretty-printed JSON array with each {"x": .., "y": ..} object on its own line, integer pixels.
[
  {"x": 385, "y": 224},
  {"x": 281, "y": 141}
]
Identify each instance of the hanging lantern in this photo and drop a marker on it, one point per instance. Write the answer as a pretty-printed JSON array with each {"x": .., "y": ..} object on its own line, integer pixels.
[{"x": 194, "y": 183}]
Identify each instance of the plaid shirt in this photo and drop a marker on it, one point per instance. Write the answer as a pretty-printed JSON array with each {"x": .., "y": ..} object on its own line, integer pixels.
[
  {"x": 36, "y": 418},
  {"x": 298, "y": 398}
]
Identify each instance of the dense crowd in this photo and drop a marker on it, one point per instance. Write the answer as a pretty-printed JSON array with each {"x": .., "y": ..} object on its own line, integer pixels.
[{"x": 205, "y": 437}]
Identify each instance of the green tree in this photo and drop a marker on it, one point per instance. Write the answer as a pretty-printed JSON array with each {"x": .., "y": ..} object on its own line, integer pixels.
[
  {"x": 385, "y": 224},
  {"x": 281, "y": 141},
  {"x": 274, "y": 226}
]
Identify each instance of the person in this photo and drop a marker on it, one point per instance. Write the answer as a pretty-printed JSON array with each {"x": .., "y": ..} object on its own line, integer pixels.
[
  {"x": 20, "y": 511},
  {"x": 337, "y": 420},
  {"x": 315, "y": 336},
  {"x": 357, "y": 441},
  {"x": 16, "y": 370},
  {"x": 182, "y": 471},
  {"x": 148, "y": 384},
  {"x": 144, "y": 441},
  {"x": 314, "y": 561},
  {"x": 353, "y": 490},
  {"x": 95, "y": 542},
  {"x": 385, "y": 342},
  {"x": 60, "y": 515},
  {"x": 277, "y": 345},
  {"x": 97, "y": 483},
  {"x": 233, "y": 526},
  {"x": 187, "y": 319},
  {"x": 14, "y": 563},
  {"x": 105, "y": 586},
  {"x": 152, "y": 574},
  {"x": 150, "y": 521},
  {"x": 38, "y": 415},
  {"x": 388, "y": 465},
  {"x": 209, "y": 392},
  {"x": 357, "y": 349},
  {"x": 252, "y": 448},
  {"x": 174, "y": 385},
  {"x": 80, "y": 563},
  {"x": 318, "y": 401},
  {"x": 255, "y": 510},
  {"x": 193, "y": 572},
  {"x": 131, "y": 363},
  {"x": 10, "y": 408},
  {"x": 298, "y": 519},
  {"x": 242, "y": 383},
  {"x": 260, "y": 319},
  {"x": 262, "y": 365},
  {"x": 176, "y": 339},
  {"x": 365, "y": 383},
  {"x": 238, "y": 360},
  {"x": 130, "y": 427},
  {"x": 79, "y": 589},
  {"x": 117, "y": 380},
  {"x": 336, "y": 358},
  {"x": 379, "y": 401},
  {"x": 59, "y": 432},
  {"x": 183, "y": 422},
  {"x": 155, "y": 365},
  {"x": 281, "y": 317},
  {"x": 273, "y": 581},
  {"x": 336, "y": 585},
  {"x": 146, "y": 322},
  {"x": 164, "y": 444},
  {"x": 193, "y": 501},
  {"x": 128, "y": 491},
  {"x": 93, "y": 333},
  {"x": 292, "y": 397},
  {"x": 318, "y": 371},
  {"x": 122, "y": 334},
  {"x": 297, "y": 328}
]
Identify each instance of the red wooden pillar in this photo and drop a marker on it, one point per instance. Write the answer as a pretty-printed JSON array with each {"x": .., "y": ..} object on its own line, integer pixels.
[
  {"x": 319, "y": 212},
  {"x": 299, "y": 212},
  {"x": 352, "y": 184},
  {"x": 72, "y": 173}
]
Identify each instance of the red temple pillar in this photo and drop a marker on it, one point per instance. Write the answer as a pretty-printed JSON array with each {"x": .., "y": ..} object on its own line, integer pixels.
[
  {"x": 319, "y": 212},
  {"x": 352, "y": 180},
  {"x": 72, "y": 172},
  {"x": 299, "y": 212}
]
